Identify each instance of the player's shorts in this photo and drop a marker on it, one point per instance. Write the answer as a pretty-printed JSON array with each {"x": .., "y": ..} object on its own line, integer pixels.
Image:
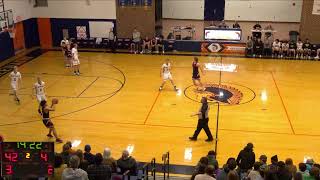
[
  {"x": 195, "y": 76},
  {"x": 41, "y": 98},
  {"x": 75, "y": 62},
  {"x": 276, "y": 48},
  {"x": 14, "y": 86},
  {"x": 167, "y": 76},
  {"x": 299, "y": 49},
  {"x": 47, "y": 122}
]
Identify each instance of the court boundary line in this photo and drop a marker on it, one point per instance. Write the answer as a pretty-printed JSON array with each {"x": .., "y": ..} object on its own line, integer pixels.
[
  {"x": 283, "y": 105},
  {"x": 153, "y": 104},
  {"x": 88, "y": 87}
]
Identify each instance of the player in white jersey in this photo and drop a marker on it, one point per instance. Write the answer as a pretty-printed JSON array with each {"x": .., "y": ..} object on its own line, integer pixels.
[
  {"x": 284, "y": 49},
  {"x": 15, "y": 78},
  {"x": 299, "y": 48},
  {"x": 39, "y": 91},
  {"x": 166, "y": 75},
  {"x": 276, "y": 46},
  {"x": 75, "y": 59}
]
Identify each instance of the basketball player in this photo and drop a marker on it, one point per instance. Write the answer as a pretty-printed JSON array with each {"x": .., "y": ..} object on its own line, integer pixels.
[
  {"x": 166, "y": 75},
  {"x": 292, "y": 49},
  {"x": 196, "y": 74},
  {"x": 276, "y": 47},
  {"x": 299, "y": 49},
  {"x": 45, "y": 112},
  {"x": 39, "y": 91},
  {"x": 15, "y": 79},
  {"x": 203, "y": 119},
  {"x": 75, "y": 59},
  {"x": 307, "y": 49},
  {"x": 146, "y": 45},
  {"x": 68, "y": 55},
  {"x": 63, "y": 43},
  {"x": 284, "y": 49}
]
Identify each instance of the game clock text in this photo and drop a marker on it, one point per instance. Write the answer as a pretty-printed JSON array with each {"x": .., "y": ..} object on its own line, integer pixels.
[{"x": 27, "y": 159}]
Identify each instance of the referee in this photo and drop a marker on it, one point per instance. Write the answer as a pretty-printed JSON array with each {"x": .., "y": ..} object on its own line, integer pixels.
[{"x": 203, "y": 120}]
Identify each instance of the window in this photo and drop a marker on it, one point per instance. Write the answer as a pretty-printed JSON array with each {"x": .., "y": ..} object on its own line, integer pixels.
[{"x": 40, "y": 3}]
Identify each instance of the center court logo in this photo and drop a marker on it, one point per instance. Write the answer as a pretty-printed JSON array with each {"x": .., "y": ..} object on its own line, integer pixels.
[{"x": 227, "y": 94}]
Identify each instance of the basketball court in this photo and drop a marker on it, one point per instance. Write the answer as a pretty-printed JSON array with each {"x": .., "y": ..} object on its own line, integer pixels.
[{"x": 115, "y": 103}]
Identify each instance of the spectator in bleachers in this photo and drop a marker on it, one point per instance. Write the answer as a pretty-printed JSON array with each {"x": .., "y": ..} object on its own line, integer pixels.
[
  {"x": 276, "y": 48},
  {"x": 283, "y": 172},
  {"x": 71, "y": 151},
  {"x": 309, "y": 164},
  {"x": 88, "y": 155},
  {"x": 232, "y": 175},
  {"x": 158, "y": 44},
  {"x": 98, "y": 170},
  {"x": 65, "y": 154},
  {"x": 229, "y": 166},
  {"x": 59, "y": 166},
  {"x": 127, "y": 163},
  {"x": 212, "y": 160},
  {"x": 108, "y": 160},
  {"x": 204, "y": 161},
  {"x": 257, "y": 31},
  {"x": 307, "y": 49},
  {"x": 83, "y": 163},
  {"x": 246, "y": 159},
  {"x": 236, "y": 25},
  {"x": 249, "y": 46},
  {"x": 73, "y": 172},
  {"x": 255, "y": 173},
  {"x": 200, "y": 170},
  {"x": 292, "y": 49},
  {"x": 136, "y": 40},
  {"x": 112, "y": 40},
  {"x": 298, "y": 176},
  {"x": 263, "y": 162},
  {"x": 146, "y": 45},
  {"x": 258, "y": 47},
  {"x": 303, "y": 170},
  {"x": 267, "y": 46},
  {"x": 208, "y": 174},
  {"x": 273, "y": 167},
  {"x": 314, "y": 173},
  {"x": 292, "y": 168}
]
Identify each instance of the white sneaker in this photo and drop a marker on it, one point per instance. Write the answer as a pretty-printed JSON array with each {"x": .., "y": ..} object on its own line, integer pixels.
[
  {"x": 160, "y": 88},
  {"x": 317, "y": 57}
]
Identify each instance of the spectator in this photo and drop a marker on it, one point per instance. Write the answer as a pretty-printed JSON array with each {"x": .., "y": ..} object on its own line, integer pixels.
[
  {"x": 292, "y": 168},
  {"x": 59, "y": 166},
  {"x": 98, "y": 170},
  {"x": 229, "y": 166},
  {"x": 112, "y": 40},
  {"x": 276, "y": 48},
  {"x": 314, "y": 48},
  {"x": 126, "y": 163},
  {"x": 208, "y": 174},
  {"x": 146, "y": 45},
  {"x": 73, "y": 172},
  {"x": 71, "y": 151},
  {"x": 223, "y": 24},
  {"x": 263, "y": 163},
  {"x": 269, "y": 30},
  {"x": 136, "y": 39},
  {"x": 83, "y": 163},
  {"x": 273, "y": 167},
  {"x": 298, "y": 176},
  {"x": 199, "y": 170},
  {"x": 258, "y": 47},
  {"x": 249, "y": 46},
  {"x": 204, "y": 161},
  {"x": 256, "y": 32},
  {"x": 309, "y": 164},
  {"x": 255, "y": 173},
  {"x": 314, "y": 173},
  {"x": 236, "y": 25},
  {"x": 267, "y": 46},
  {"x": 159, "y": 44},
  {"x": 292, "y": 49},
  {"x": 284, "y": 49},
  {"x": 246, "y": 158},
  {"x": 65, "y": 154},
  {"x": 212, "y": 160},
  {"x": 283, "y": 172},
  {"x": 303, "y": 170},
  {"x": 232, "y": 175},
  {"x": 88, "y": 155},
  {"x": 108, "y": 160},
  {"x": 307, "y": 49}
]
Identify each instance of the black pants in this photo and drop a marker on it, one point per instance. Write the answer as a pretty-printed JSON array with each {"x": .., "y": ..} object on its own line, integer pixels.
[
  {"x": 203, "y": 124},
  {"x": 112, "y": 45}
]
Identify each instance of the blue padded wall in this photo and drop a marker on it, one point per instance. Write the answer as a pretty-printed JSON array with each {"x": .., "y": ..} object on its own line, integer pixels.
[
  {"x": 6, "y": 46},
  {"x": 31, "y": 33}
]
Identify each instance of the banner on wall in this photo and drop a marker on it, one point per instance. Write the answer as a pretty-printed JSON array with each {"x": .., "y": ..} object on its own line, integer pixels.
[
  {"x": 81, "y": 32},
  {"x": 223, "y": 48},
  {"x": 316, "y": 7}
]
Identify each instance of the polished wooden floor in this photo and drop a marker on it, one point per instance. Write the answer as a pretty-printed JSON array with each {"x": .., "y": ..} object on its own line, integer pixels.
[{"x": 116, "y": 103}]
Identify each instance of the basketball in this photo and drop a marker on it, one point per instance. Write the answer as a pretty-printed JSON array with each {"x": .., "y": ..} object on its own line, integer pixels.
[{"x": 55, "y": 101}]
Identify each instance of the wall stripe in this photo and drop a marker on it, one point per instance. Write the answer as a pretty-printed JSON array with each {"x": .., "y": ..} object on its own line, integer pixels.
[{"x": 45, "y": 34}]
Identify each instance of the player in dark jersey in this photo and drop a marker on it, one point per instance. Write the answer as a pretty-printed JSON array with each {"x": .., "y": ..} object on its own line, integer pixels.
[
  {"x": 196, "y": 68},
  {"x": 314, "y": 48},
  {"x": 45, "y": 113},
  {"x": 292, "y": 49},
  {"x": 307, "y": 49}
]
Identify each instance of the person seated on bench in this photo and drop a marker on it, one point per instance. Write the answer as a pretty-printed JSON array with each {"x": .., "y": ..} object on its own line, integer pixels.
[
  {"x": 276, "y": 47},
  {"x": 146, "y": 44}
]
